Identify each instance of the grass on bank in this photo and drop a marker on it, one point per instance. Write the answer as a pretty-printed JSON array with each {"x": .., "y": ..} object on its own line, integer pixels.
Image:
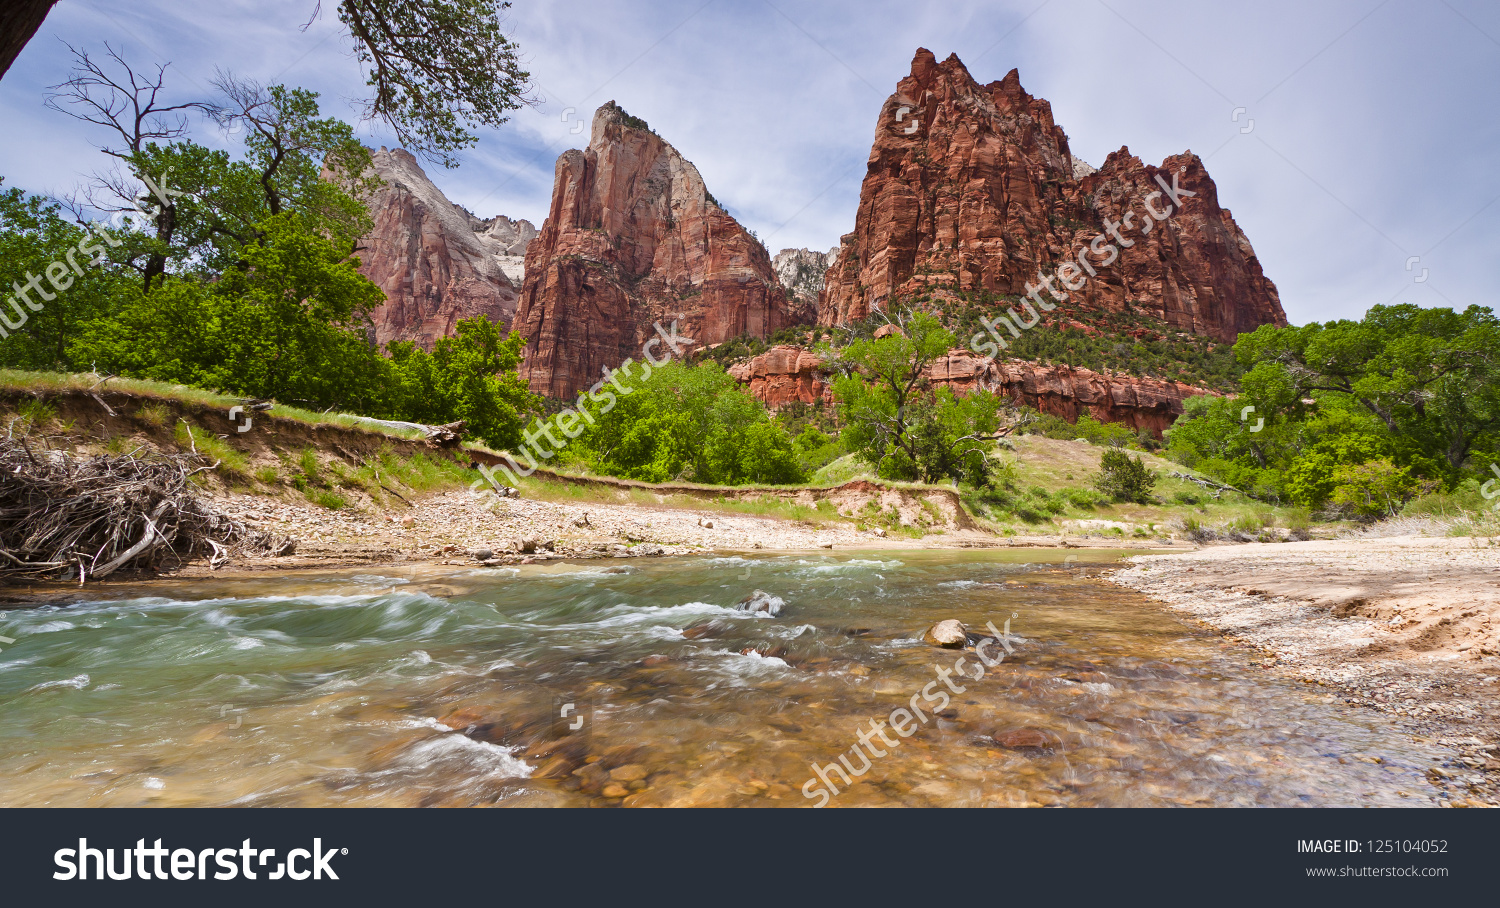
[
  {"x": 88, "y": 381},
  {"x": 1051, "y": 479}
]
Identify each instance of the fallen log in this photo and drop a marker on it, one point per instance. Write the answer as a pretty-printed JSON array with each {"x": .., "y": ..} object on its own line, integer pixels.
[{"x": 1218, "y": 487}]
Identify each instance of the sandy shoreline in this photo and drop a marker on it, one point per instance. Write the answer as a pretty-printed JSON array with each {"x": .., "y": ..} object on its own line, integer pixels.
[
  {"x": 451, "y": 528},
  {"x": 1406, "y": 626}
]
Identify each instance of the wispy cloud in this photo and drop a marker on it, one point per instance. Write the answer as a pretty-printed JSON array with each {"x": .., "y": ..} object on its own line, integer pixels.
[{"x": 1371, "y": 136}]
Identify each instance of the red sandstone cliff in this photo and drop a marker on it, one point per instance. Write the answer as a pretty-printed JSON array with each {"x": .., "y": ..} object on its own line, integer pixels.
[
  {"x": 786, "y": 374},
  {"x": 973, "y": 187},
  {"x": 436, "y": 262},
  {"x": 632, "y": 238}
]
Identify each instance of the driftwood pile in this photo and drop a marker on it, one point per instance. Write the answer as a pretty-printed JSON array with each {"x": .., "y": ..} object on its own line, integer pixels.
[{"x": 86, "y": 518}]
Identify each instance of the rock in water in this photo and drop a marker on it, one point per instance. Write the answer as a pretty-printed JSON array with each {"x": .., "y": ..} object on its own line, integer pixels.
[
  {"x": 761, "y": 602},
  {"x": 948, "y": 634},
  {"x": 1026, "y": 739}
]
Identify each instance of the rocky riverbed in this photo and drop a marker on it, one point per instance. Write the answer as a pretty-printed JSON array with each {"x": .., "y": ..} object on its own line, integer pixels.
[{"x": 1405, "y": 626}]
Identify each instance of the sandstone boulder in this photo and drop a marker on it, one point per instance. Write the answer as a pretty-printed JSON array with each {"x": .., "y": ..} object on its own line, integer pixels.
[{"x": 949, "y": 634}]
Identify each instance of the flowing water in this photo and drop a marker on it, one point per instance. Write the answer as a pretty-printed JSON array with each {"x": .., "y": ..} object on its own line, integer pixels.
[{"x": 641, "y": 684}]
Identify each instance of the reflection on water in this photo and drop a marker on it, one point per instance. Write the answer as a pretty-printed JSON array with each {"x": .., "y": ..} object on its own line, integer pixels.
[{"x": 600, "y": 684}]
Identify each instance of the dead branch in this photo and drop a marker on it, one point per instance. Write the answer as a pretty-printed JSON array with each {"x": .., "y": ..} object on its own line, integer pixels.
[{"x": 106, "y": 513}]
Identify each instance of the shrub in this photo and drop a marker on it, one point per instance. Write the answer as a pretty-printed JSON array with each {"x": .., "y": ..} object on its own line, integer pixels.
[
  {"x": 1246, "y": 524},
  {"x": 1372, "y": 489},
  {"x": 154, "y": 414},
  {"x": 308, "y": 462},
  {"x": 37, "y": 412},
  {"x": 331, "y": 500},
  {"x": 1083, "y": 499},
  {"x": 1242, "y": 529},
  {"x": 1124, "y": 478},
  {"x": 229, "y": 462},
  {"x": 1465, "y": 497}
]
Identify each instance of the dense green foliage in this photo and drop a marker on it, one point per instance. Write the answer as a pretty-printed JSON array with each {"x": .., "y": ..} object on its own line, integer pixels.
[
  {"x": 1088, "y": 429},
  {"x": 32, "y": 237},
  {"x": 1130, "y": 342},
  {"x": 745, "y": 346},
  {"x": 238, "y": 274},
  {"x": 1358, "y": 416},
  {"x": 687, "y": 423}
]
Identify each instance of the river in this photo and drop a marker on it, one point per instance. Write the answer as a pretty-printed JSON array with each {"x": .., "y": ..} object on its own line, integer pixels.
[{"x": 637, "y": 682}]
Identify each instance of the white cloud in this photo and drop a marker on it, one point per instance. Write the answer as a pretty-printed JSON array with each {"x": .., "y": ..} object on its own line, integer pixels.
[{"x": 1373, "y": 139}]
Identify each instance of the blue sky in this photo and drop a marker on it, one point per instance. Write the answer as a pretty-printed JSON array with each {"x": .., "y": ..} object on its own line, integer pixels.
[{"x": 1374, "y": 136}]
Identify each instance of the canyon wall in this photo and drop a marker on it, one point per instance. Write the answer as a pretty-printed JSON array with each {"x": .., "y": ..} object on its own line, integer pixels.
[
  {"x": 973, "y": 187},
  {"x": 789, "y": 374},
  {"x": 436, "y": 262},
  {"x": 633, "y": 238}
]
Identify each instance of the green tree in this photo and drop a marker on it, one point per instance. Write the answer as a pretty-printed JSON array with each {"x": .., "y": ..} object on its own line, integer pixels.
[
  {"x": 37, "y": 334},
  {"x": 895, "y": 421},
  {"x": 1430, "y": 376},
  {"x": 470, "y": 376},
  {"x": 1373, "y": 489},
  {"x": 688, "y": 423},
  {"x": 1124, "y": 478},
  {"x": 194, "y": 209},
  {"x": 437, "y": 69},
  {"x": 288, "y": 324}
]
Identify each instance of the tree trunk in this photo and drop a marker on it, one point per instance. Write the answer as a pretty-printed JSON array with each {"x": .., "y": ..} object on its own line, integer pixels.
[{"x": 19, "y": 20}]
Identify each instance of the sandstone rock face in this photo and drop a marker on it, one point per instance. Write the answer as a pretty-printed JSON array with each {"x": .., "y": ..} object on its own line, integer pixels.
[
  {"x": 633, "y": 238},
  {"x": 436, "y": 262},
  {"x": 788, "y": 374},
  {"x": 507, "y": 241},
  {"x": 801, "y": 274},
  {"x": 973, "y": 187},
  {"x": 784, "y": 374},
  {"x": 1141, "y": 403}
]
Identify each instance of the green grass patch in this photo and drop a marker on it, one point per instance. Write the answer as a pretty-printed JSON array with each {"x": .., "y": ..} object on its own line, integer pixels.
[
  {"x": 231, "y": 463},
  {"x": 36, "y": 412},
  {"x": 326, "y": 498}
]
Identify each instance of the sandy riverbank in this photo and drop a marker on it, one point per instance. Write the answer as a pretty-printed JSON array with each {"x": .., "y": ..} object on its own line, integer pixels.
[
  {"x": 455, "y": 526},
  {"x": 1406, "y": 626}
]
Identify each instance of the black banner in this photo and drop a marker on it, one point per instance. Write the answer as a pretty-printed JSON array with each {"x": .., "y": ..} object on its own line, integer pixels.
[{"x": 309, "y": 856}]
